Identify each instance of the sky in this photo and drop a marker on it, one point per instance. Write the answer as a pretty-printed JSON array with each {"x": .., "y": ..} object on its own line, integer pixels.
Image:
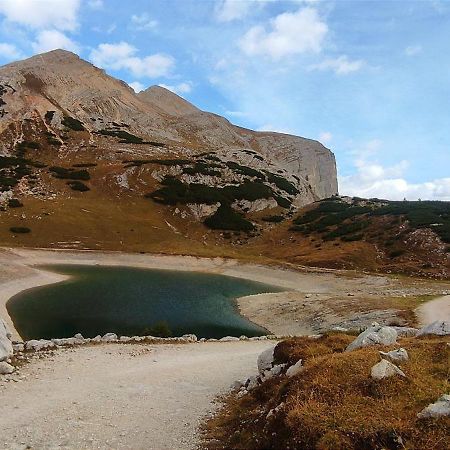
[{"x": 370, "y": 79}]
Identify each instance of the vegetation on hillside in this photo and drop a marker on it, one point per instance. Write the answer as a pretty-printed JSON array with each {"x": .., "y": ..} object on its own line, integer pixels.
[
  {"x": 335, "y": 404},
  {"x": 336, "y": 218}
]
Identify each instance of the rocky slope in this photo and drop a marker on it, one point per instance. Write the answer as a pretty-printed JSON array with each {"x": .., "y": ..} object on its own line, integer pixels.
[
  {"x": 86, "y": 163},
  {"x": 61, "y": 82}
]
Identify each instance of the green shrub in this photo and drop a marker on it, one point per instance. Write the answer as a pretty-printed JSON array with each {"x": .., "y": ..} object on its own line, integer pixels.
[
  {"x": 282, "y": 183},
  {"x": 354, "y": 237},
  {"x": 49, "y": 116},
  {"x": 283, "y": 202},
  {"x": 70, "y": 174},
  {"x": 20, "y": 230},
  {"x": 175, "y": 191},
  {"x": 14, "y": 203},
  {"x": 72, "y": 123},
  {"x": 78, "y": 186},
  {"x": 53, "y": 141},
  {"x": 125, "y": 137},
  {"x": 245, "y": 170},
  {"x": 86, "y": 165},
  {"x": 274, "y": 219},
  {"x": 225, "y": 218},
  {"x": 396, "y": 253}
]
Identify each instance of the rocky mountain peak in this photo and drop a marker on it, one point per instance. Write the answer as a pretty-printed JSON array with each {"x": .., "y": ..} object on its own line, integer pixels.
[{"x": 167, "y": 101}]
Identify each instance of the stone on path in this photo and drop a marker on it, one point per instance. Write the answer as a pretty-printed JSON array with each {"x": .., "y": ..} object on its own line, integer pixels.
[{"x": 6, "y": 368}]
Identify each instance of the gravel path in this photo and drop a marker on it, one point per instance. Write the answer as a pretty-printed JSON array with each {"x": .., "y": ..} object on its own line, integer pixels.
[{"x": 121, "y": 396}]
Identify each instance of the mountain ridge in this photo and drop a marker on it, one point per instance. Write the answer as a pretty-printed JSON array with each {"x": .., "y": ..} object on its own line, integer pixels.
[{"x": 86, "y": 163}]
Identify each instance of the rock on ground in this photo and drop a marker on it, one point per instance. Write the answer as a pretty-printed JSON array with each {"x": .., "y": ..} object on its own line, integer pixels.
[
  {"x": 438, "y": 328},
  {"x": 437, "y": 409},
  {"x": 6, "y": 368},
  {"x": 374, "y": 335},
  {"x": 295, "y": 369},
  {"x": 265, "y": 360},
  {"x": 385, "y": 369},
  {"x": 397, "y": 356}
]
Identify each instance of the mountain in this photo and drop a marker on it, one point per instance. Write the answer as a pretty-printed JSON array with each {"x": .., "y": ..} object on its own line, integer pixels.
[{"x": 87, "y": 163}]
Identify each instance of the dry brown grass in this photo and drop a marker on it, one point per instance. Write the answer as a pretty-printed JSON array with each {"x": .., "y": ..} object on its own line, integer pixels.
[{"x": 334, "y": 404}]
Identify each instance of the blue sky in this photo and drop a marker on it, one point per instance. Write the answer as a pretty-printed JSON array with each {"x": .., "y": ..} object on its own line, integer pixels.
[{"x": 369, "y": 79}]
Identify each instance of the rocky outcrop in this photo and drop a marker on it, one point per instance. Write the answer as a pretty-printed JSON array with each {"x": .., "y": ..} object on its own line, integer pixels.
[
  {"x": 62, "y": 84},
  {"x": 374, "y": 335}
]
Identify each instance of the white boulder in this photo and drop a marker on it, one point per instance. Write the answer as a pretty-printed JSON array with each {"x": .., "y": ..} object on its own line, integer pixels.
[
  {"x": 265, "y": 360},
  {"x": 385, "y": 369},
  {"x": 252, "y": 382},
  {"x": 437, "y": 409},
  {"x": 6, "y": 368},
  {"x": 273, "y": 372},
  {"x": 6, "y": 347},
  {"x": 109, "y": 337},
  {"x": 189, "y": 337},
  {"x": 229, "y": 339},
  {"x": 438, "y": 328},
  {"x": 398, "y": 355},
  {"x": 374, "y": 335},
  {"x": 295, "y": 369}
]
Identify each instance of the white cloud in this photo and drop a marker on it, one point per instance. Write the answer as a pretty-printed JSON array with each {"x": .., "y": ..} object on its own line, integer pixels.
[
  {"x": 181, "y": 88},
  {"x": 143, "y": 22},
  {"x": 123, "y": 56},
  {"x": 372, "y": 179},
  {"x": 136, "y": 86},
  {"x": 229, "y": 10},
  {"x": 47, "y": 40},
  {"x": 341, "y": 65},
  {"x": 325, "y": 137},
  {"x": 288, "y": 34},
  {"x": 59, "y": 14},
  {"x": 413, "y": 50},
  {"x": 9, "y": 51}
]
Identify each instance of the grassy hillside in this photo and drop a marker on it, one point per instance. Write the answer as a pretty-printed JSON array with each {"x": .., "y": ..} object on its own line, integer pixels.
[{"x": 335, "y": 404}]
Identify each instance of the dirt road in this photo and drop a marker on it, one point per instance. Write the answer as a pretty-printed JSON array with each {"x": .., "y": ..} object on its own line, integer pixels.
[{"x": 116, "y": 396}]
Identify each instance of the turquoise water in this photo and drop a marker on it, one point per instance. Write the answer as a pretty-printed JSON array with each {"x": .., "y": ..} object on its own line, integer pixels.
[{"x": 129, "y": 301}]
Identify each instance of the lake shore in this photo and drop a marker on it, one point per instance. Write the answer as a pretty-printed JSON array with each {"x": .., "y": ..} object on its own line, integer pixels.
[{"x": 312, "y": 300}]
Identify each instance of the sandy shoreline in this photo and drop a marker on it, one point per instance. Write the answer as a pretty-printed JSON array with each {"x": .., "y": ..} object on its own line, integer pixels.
[{"x": 312, "y": 301}]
